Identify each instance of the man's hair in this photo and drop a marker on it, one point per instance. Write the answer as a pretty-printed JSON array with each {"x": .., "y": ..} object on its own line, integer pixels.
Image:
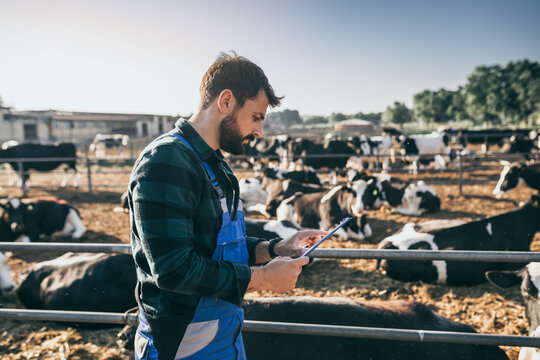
[{"x": 244, "y": 78}]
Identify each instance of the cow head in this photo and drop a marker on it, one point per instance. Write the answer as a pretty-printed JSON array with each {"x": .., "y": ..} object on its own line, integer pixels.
[
  {"x": 529, "y": 278},
  {"x": 251, "y": 191},
  {"x": 409, "y": 239},
  {"x": 13, "y": 214},
  {"x": 509, "y": 179},
  {"x": 408, "y": 146},
  {"x": 6, "y": 280}
]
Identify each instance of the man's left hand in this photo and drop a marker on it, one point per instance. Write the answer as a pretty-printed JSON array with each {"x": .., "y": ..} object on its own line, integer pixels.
[{"x": 298, "y": 243}]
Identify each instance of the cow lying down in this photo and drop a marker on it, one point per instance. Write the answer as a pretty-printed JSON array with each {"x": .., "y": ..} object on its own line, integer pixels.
[
  {"x": 324, "y": 210},
  {"x": 511, "y": 231},
  {"x": 6, "y": 280},
  {"x": 82, "y": 281},
  {"x": 27, "y": 219},
  {"x": 529, "y": 279},
  {"x": 347, "y": 312}
]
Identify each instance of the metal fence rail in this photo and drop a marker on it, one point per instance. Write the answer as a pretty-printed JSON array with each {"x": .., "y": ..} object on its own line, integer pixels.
[
  {"x": 292, "y": 328},
  {"x": 414, "y": 255}
]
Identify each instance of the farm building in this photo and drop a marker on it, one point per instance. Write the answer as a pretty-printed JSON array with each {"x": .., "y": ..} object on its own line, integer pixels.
[{"x": 54, "y": 125}]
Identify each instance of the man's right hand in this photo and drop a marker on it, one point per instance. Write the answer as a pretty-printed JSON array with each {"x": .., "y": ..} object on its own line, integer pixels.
[{"x": 278, "y": 275}]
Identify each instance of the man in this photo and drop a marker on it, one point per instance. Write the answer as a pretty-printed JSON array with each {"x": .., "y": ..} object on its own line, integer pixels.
[{"x": 187, "y": 225}]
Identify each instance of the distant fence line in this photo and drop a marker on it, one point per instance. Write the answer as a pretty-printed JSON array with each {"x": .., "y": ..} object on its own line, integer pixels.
[{"x": 89, "y": 160}]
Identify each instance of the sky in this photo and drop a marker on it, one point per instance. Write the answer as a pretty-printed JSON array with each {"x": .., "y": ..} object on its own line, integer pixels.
[{"x": 323, "y": 56}]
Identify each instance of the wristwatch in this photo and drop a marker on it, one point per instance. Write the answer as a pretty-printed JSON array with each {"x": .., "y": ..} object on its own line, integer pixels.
[{"x": 271, "y": 246}]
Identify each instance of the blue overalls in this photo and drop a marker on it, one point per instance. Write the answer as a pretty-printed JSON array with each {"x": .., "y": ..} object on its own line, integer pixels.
[{"x": 215, "y": 330}]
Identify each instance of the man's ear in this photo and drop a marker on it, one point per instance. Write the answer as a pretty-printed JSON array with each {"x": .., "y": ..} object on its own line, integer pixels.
[{"x": 226, "y": 102}]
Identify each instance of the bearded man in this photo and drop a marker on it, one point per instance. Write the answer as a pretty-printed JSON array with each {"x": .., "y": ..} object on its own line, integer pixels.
[{"x": 194, "y": 261}]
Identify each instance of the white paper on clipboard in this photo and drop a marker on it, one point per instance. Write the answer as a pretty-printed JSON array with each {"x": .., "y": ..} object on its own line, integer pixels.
[{"x": 343, "y": 222}]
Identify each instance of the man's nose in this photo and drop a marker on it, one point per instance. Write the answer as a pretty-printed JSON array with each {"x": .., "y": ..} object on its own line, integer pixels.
[{"x": 258, "y": 132}]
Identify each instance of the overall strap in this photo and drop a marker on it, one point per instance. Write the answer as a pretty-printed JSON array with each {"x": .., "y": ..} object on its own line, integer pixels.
[{"x": 209, "y": 171}]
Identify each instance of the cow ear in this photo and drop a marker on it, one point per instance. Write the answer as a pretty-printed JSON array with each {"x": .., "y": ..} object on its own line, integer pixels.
[{"x": 503, "y": 279}]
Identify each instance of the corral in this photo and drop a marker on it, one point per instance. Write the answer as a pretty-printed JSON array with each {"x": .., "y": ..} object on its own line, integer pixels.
[{"x": 487, "y": 309}]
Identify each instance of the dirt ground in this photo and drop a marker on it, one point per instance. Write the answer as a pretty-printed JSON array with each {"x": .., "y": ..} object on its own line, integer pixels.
[{"x": 487, "y": 309}]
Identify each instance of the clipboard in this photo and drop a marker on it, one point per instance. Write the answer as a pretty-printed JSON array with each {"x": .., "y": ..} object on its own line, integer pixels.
[{"x": 343, "y": 222}]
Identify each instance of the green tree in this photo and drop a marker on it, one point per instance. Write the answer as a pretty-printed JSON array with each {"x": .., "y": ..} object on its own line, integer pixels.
[
  {"x": 315, "y": 119},
  {"x": 335, "y": 117},
  {"x": 397, "y": 114},
  {"x": 433, "y": 106},
  {"x": 284, "y": 118}
]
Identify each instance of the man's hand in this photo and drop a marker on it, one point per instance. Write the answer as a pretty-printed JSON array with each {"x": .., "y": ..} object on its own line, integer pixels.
[
  {"x": 298, "y": 243},
  {"x": 278, "y": 275}
]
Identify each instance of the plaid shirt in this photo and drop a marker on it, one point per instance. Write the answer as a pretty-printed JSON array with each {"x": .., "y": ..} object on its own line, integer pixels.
[{"x": 175, "y": 217}]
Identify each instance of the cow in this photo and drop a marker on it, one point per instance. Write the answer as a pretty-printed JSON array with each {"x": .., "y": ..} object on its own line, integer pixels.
[
  {"x": 42, "y": 216},
  {"x": 279, "y": 190},
  {"x": 529, "y": 279},
  {"x": 528, "y": 148},
  {"x": 324, "y": 210},
  {"x": 252, "y": 192},
  {"x": 331, "y": 154},
  {"x": 81, "y": 282},
  {"x": 412, "y": 200},
  {"x": 422, "y": 145},
  {"x": 103, "y": 142},
  {"x": 29, "y": 151},
  {"x": 6, "y": 280},
  {"x": 376, "y": 149},
  {"x": 269, "y": 229},
  {"x": 514, "y": 175},
  {"x": 348, "y": 312},
  {"x": 511, "y": 231},
  {"x": 308, "y": 176}
]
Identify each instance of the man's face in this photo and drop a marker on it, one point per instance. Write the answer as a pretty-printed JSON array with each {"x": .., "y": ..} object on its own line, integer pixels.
[{"x": 243, "y": 125}]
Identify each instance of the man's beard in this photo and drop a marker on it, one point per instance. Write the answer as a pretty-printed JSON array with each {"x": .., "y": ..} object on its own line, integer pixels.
[{"x": 230, "y": 138}]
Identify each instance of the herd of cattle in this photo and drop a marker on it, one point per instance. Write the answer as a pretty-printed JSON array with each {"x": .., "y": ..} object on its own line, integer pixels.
[{"x": 294, "y": 196}]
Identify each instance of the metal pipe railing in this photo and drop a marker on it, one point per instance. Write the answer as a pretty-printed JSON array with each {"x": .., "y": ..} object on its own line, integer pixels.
[
  {"x": 291, "y": 328},
  {"x": 413, "y": 255}
]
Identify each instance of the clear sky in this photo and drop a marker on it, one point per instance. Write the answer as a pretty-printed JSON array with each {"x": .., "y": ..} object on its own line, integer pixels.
[{"x": 324, "y": 56}]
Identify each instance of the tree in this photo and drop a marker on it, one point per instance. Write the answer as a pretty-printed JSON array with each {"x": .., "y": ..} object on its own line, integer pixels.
[
  {"x": 433, "y": 106},
  {"x": 315, "y": 119},
  {"x": 398, "y": 114},
  {"x": 283, "y": 118},
  {"x": 335, "y": 117}
]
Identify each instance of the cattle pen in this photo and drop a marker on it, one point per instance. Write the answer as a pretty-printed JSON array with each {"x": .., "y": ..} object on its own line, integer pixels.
[
  {"x": 487, "y": 309},
  {"x": 297, "y": 328}
]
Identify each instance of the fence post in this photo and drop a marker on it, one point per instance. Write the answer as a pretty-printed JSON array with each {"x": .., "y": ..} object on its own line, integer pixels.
[
  {"x": 89, "y": 172},
  {"x": 460, "y": 159},
  {"x": 22, "y": 174}
]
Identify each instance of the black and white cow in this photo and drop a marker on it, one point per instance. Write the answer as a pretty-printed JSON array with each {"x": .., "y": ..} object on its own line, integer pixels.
[
  {"x": 529, "y": 279},
  {"x": 102, "y": 142},
  {"x": 30, "y": 218},
  {"x": 348, "y": 312},
  {"x": 422, "y": 145},
  {"x": 6, "y": 279},
  {"x": 412, "y": 200},
  {"x": 82, "y": 281},
  {"x": 331, "y": 154},
  {"x": 528, "y": 148},
  {"x": 514, "y": 175},
  {"x": 28, "y": 151},
  {"x": 269, "y": 229},
  {"x": 376, "y": 149},
  {"x": 252, "y": 192},
  {"x": 326, "y": 209},
  {"x": 308, "y": 176},
  {"x": 279, "y": 190},
  {"x": 511, "y": 231}
]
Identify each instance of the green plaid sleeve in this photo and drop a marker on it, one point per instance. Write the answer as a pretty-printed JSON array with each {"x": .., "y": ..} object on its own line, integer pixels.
[{"x": 168, "y": 200}]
